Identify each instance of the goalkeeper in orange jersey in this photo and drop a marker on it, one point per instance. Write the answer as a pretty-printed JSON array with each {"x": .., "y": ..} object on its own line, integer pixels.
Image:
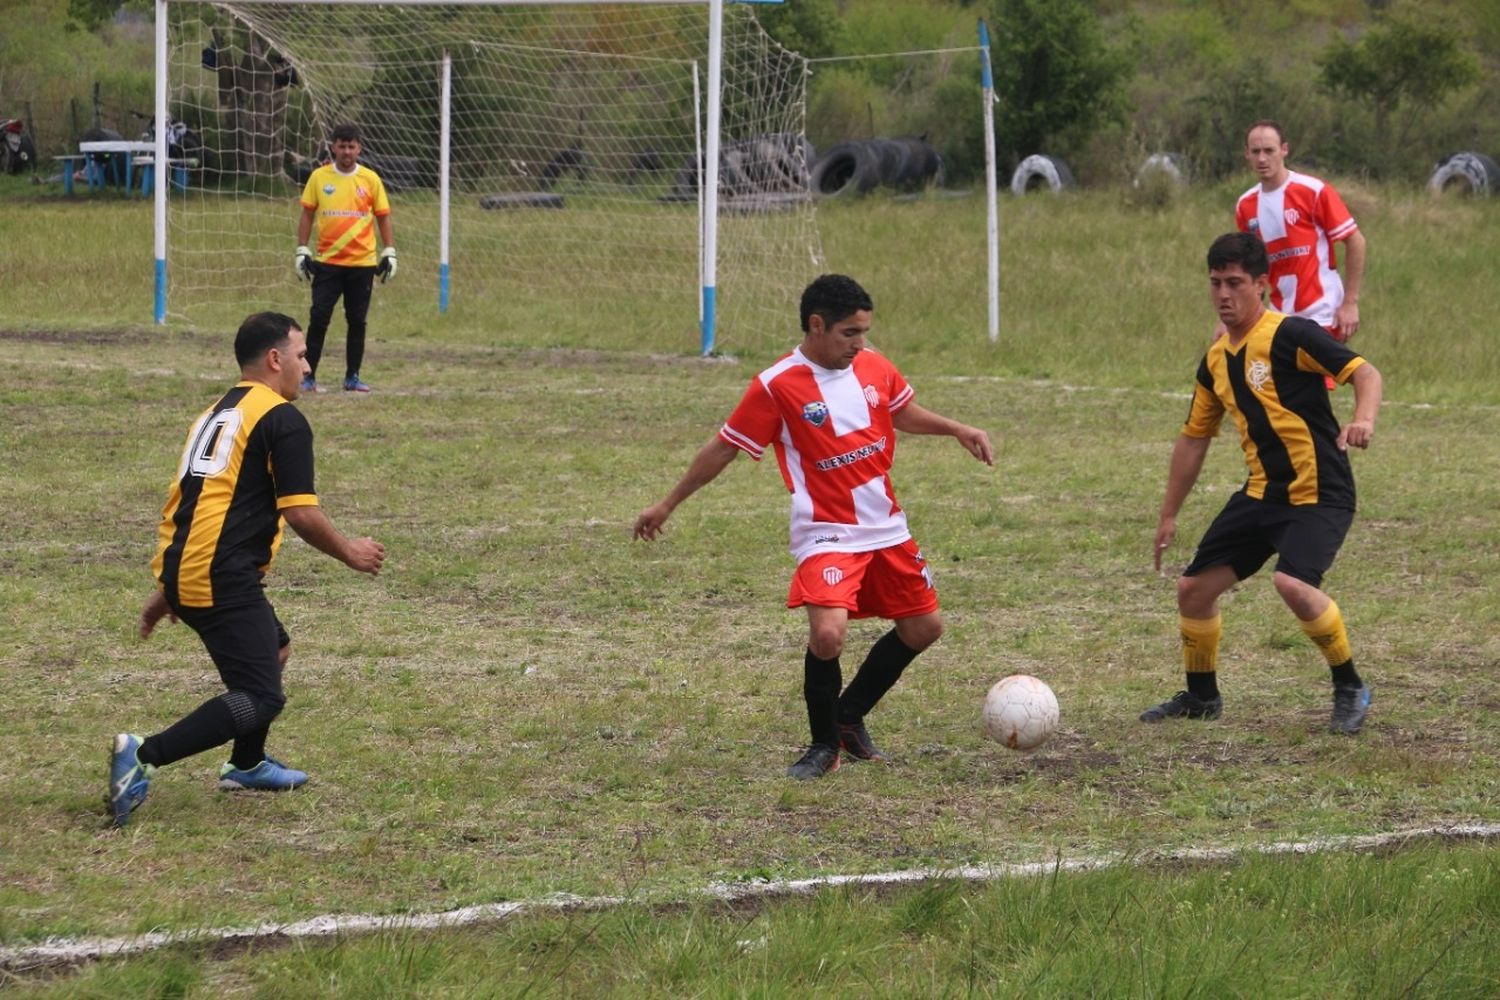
[{"x": 347, "y": 202}]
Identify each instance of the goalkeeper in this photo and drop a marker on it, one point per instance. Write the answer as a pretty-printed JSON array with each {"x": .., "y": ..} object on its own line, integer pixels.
[{"x": 347, "y": 201}]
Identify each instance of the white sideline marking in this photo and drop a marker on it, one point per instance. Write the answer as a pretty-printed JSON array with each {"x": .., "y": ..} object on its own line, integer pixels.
[{"x": 56, "y": 951}]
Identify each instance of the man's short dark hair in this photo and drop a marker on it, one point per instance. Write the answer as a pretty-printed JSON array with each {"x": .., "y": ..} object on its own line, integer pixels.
[
  {"x": 1269, "y": 123},
  {"x": 346, "y": 131},
  {"x": 1244, "y": 249},
  {"x": 834, "y": 297},
  {"x": 259, "y": 333}
]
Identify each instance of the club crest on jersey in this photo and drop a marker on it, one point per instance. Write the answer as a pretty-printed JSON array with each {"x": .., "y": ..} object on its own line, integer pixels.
[
  {"x": 1255, "y": 225},
  {"x": 1258, "y": 374},
  {"x": 815, "y": 413},
  {"x": 832, "y": 575},
  {"x": 872, "y": 395},
  {"x": 329, "y": 189},
  {"x": 1292, "y": 215}
]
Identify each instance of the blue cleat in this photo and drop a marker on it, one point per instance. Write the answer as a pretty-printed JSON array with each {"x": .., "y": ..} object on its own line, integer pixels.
[
  {"x": 1350, "y": 706},
  {"x": 270, "y": 775},
  {"x": 309, "y": 384},
  {"x": 353, "y": 384},
  {"x": 129, "y": 779}
]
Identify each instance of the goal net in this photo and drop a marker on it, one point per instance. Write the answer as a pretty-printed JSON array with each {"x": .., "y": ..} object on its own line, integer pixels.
[{"x": 574, "y": 139}]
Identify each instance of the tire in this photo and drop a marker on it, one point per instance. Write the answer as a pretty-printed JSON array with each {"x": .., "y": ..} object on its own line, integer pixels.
[
  {"x": 1038, "y": 171},
  {"x": 521, "y": 199},
  {"x": 1468, "y": 173},
  {"x": 924, "y": 164},
  {"x": 894, "y": 158},
  {"x": 1173, "y": 166},
  {"x": 849, "y": 167}
]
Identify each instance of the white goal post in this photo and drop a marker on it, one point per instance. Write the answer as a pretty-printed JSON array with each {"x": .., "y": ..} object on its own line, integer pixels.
[{"x": 484, "y": 117}]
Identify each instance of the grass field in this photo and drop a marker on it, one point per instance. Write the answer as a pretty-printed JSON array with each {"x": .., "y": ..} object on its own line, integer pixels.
[{"x": 528, "y": 702}]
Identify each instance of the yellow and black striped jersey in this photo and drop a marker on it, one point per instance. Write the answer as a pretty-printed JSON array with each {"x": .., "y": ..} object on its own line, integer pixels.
[
  {"x": 1272, "y": 384},
  {"x": 247, "y": 458}
]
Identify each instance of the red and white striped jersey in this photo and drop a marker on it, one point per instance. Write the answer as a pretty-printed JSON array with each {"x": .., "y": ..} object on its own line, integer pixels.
[
  {"x": 1299, "y": 222},
  {"x": 835, "y": 440}
]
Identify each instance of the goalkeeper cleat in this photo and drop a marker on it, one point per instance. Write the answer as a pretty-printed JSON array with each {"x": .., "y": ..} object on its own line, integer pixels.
[
  {"x": 855, "y": 740},
  {"x": 129, "y": 779},
  {"x": 1184, "y": 705},
  {"x": 309, "y": 384},
  {"x": 1350, "y": 706},
  {"x": 353, "y": 384},
  {"x": 816, "y": 762},
  {"x": 270, "y": 775}
]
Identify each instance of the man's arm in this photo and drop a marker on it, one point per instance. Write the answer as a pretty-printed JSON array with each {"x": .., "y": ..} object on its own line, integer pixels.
[
  {"x": 1346, "y": 318},
  {"x": 1369, "y": 386},
  {"x": 387, "y": 234},
  {"x": 712, "y": 459},
  {"x": 304, "y": 226},
  {"x": 362, "y": 554},
  {"x": 914, "y": 419},
  {"x": 1187, "y": 462}
]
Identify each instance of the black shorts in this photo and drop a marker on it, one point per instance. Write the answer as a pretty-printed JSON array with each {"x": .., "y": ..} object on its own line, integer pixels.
[
  {"x": 1306, "y": 537},
  {"x": 245, "y": 643}
]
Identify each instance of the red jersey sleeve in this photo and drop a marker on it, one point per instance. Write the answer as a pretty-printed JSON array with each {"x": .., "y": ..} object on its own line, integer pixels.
[
  {"x": 1333, "y": 215},
  {"x": 755, "y": 422}
]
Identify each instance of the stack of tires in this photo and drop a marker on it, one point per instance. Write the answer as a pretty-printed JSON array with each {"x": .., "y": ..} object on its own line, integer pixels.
[
  {"x": 858, "y": 166},
  {"x": 1466, "y": 173}
]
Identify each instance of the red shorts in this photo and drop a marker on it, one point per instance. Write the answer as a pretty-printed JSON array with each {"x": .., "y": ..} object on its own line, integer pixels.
[{"x": 887, "y": 583}]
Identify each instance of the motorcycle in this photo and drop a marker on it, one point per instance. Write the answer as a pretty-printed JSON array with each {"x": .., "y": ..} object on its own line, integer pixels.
[{"x": 17, "y": 151}]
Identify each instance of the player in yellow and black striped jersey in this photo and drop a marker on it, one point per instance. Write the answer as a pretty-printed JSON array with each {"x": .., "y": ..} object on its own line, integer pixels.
[
  {"x": 1267, "y": 374},
  {"x": 247, "y": 465}
]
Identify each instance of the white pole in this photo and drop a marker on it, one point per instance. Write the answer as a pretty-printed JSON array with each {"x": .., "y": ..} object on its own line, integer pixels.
[
  {"x": 709, "y": 182},
  {"x": 160, "y": 167},
  {"x": 444, "y": 134},
  {"x": 992, "y": 226},
  {"x": 698, "y": 158}
]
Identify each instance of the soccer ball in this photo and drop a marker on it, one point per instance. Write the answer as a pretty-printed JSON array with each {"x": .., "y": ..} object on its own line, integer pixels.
[{"x": 1020, "y": 712}]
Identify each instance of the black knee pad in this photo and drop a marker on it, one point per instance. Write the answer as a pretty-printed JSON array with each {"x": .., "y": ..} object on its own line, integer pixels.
[{"x": 252, "y": 712}]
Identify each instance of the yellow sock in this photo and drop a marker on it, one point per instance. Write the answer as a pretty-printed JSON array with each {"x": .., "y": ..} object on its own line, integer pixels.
[
  {"x": 1328, "y": 634},
  {"x": 1200, "y": 643}
]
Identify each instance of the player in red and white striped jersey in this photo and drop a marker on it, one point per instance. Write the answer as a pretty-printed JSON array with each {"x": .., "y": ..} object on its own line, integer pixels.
[
  {"x": 1299, "y": 218},
  {"x": 831, "y": 409}
]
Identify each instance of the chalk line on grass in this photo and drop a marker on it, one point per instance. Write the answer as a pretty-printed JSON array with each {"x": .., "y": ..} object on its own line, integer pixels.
[{"x": 68, "y": 951}]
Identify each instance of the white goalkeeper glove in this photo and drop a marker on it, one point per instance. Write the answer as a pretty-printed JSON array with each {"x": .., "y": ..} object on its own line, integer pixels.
[
  {"x": 386, "y": 269},
  {"x": 302, "y": 263}
]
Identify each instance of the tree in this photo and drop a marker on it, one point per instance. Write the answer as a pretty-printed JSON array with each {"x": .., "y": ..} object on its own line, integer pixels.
[
  {"x": 1404, "y": 58},
  {"x": 809, "y": 27},
  {"x": 1056, "y": 79}
]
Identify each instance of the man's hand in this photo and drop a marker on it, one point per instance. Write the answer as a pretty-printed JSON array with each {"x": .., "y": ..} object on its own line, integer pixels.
[
  {"x": 1166, "y": 530},
  {"x": 365, "y": 555},
  {"x": 155, "y": 610},
  {"x": 977, "y": 442},
  {"x": 648, "y": 526},
  {"x": 386, "y": 269},
  {"x": 302, "y": 263},
  {"x": 1357, "y": 433},
  {"x": 1346, "y": 321}
]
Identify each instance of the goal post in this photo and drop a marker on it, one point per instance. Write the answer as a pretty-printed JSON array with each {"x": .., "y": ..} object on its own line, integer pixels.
[{"x": 531, "y": 147}]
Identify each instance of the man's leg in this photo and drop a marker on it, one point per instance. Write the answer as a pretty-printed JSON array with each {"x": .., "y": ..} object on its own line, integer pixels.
[
  {"x": 1323, "y": 623},
  {"x": 358, "y": 285},
  {"x": 821, "y": 680},
  {"x": 327, "y": 286},
  {"x": 1199, "y": 623}
]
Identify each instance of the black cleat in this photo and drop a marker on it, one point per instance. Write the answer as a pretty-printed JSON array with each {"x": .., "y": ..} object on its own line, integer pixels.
[
  {"x": 816, "y": 762},
  {"x": 1184, "y": 705},
  {"x": 855, "y": 740},
  {"x": 1350, "y": 705}
]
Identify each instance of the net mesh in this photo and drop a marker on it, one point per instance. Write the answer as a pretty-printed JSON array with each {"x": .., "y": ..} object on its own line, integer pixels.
[{"x": 574, "y": 161}]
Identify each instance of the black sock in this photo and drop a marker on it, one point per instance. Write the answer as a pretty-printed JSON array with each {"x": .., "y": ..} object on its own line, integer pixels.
[
  {"x": 1344, "y": 675},
  {"x": 249, "y": 750},
  {"x": 207, "y": 726},
  {"x": 821, "y": 680},
  {"x": 1203, "y": 684},
  {"x": 877, "y": 675}
]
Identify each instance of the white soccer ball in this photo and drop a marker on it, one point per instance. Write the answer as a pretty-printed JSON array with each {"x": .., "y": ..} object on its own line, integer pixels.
[{"x": 1020, "y": 712}]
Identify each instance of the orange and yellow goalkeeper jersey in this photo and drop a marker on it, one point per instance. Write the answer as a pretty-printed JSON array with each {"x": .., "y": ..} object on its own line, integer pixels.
[{"x": 346, "y": 206}]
